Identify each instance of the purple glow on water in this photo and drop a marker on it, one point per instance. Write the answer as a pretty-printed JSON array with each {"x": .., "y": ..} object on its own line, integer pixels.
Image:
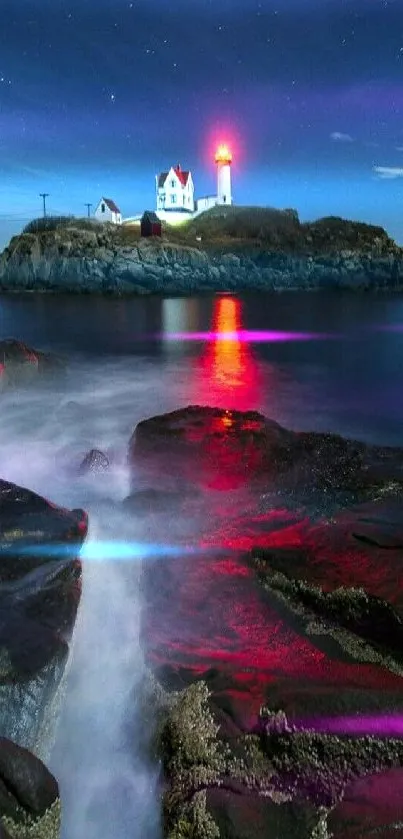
[
  {"x": 380, "y": 725},
  {"x": 392, "y": 327},
  {"x": 248, "y": 336}
]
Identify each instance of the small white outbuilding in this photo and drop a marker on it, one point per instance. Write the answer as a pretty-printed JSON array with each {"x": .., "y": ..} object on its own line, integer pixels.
[{"x": 107, "y": 210}]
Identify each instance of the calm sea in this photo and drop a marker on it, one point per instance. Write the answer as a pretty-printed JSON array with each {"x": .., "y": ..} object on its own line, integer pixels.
[{"x": 345, "y": 373}]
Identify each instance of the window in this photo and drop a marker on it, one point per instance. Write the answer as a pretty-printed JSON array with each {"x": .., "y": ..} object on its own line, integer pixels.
[
  {"x": 173, "y": 184},
  {"x": 102, "y": 208},
  {"x": 173, "y": 199}
]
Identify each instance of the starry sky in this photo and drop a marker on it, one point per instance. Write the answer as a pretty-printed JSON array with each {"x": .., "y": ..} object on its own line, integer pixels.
[{"x": 97, "y": 96}]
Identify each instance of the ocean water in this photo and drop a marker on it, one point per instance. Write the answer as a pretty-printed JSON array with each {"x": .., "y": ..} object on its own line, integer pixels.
[{"x": 310, "y": 361}]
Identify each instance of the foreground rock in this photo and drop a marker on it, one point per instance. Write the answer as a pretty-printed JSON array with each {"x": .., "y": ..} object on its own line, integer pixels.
[
  {"x": 362, "y": 615},
  {"x": 274, "y": 780},
  {"x": 217, "y": 449},
  {"x": 94, "y": 461},
  {"x": 278, "y": 642},
  {"x": 276, "y": 252},
  {"x": 371, "y": 806},
  {"x": 40, "y": 586},
  {"x": 29, "y": 795},
  {"x": 21, "y": 365}
]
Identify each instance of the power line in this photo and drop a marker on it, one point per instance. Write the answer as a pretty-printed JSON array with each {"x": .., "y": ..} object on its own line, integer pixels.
[{"x": 44, "y": 195}]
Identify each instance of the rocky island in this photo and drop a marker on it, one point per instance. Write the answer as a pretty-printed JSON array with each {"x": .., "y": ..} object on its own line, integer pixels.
[{"x": 224, "y": 249}]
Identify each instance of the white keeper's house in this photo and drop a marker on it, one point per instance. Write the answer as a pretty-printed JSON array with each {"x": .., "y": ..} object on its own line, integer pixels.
[{"x": 175, "y": 191}]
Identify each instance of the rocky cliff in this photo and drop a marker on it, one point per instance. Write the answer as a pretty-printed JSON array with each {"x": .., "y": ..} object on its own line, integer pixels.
[{"x": 331, "y": 253}]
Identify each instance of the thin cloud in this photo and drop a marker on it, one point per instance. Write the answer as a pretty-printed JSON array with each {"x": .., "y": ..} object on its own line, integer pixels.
[
  {"x": 399, "y": 148},
  {"x": 338, "y": 136},
  {"x": 389, "y": 171}
]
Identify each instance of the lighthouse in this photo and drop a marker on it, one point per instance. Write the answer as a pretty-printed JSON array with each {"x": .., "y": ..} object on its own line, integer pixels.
[{"x": 223, "y": 159}]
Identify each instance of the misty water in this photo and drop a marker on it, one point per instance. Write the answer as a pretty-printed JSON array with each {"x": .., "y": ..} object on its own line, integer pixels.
[{"x": 129, "y": 360}]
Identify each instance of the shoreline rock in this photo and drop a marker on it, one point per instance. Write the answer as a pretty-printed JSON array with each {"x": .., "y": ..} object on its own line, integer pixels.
[
  {"x": 219, "y": 449},
  {"x": 40, "y": 589},
  {"x": 93, "y": 260},
  {"x": 276, "y": 780},
  {"x": 29, "y": 795},
  {"x": 23, "y": 365},
  {"x": 228, "y": 769}
]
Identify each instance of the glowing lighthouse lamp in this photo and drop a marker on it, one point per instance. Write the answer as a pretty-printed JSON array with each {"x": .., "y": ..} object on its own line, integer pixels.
[{"x": 223, "y": 159}]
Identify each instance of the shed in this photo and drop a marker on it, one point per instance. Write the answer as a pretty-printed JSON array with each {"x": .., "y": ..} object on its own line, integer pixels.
[{"x": 150, "y": 224}]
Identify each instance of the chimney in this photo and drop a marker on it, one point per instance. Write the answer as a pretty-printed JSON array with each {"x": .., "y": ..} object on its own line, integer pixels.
[{"x": 178, "y": 167}]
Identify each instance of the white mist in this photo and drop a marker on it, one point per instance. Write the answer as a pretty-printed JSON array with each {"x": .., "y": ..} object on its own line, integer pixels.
[{"x": 108, "y": 785}]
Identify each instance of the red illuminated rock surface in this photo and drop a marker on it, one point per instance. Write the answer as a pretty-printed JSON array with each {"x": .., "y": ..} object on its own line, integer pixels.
[
  {"x": 225, "y": 450},
  {"x": 207, "y": 616},
  {"x": 207, "y": 613},
  {"x": 21, "y": 365}
]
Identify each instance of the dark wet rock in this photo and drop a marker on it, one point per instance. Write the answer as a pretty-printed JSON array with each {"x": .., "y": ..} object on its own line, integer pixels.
[
  {"x": 30, "y": 523},
  {"x": 94, "y": 461},
  {"x": 289, "y": 777},
  {"x": 362, "y": 614},
  {"x": 371, "y": 806},
  {"x": 26, "y": 782},
  {"x": 318, "y": 766},
  {"x": 250, "y": 816},
  {"x": 21, "y": 365},
  {"x": 228, "y": 449},
  {"x": 40, "y": 586},
  {"x": 29, "y": 794}
]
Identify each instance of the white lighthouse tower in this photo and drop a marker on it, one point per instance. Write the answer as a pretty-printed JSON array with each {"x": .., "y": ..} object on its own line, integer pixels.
[{"x": 223, "y": 159}]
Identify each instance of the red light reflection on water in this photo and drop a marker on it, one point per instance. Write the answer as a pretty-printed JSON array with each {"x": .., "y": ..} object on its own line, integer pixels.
[{"x": 227, "y": 372}]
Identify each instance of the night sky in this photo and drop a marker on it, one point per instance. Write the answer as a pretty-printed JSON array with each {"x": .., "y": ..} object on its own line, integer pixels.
[{"x": 97, "y": 96}]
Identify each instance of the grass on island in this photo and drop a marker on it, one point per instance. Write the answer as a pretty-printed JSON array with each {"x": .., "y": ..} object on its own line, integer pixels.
[{"x": 228, "y": 229}]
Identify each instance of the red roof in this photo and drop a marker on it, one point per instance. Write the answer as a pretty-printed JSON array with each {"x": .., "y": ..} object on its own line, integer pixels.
[
  {"x": 111, "y": 204},
  {"x": 180, "y": 173},
  {"x": 183, "y": 176}
]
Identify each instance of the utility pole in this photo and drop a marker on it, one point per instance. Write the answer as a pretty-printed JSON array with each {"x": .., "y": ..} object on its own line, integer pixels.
[
  {"x": 88, "y": 208},
  {"x": 44, "y": 195}
]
